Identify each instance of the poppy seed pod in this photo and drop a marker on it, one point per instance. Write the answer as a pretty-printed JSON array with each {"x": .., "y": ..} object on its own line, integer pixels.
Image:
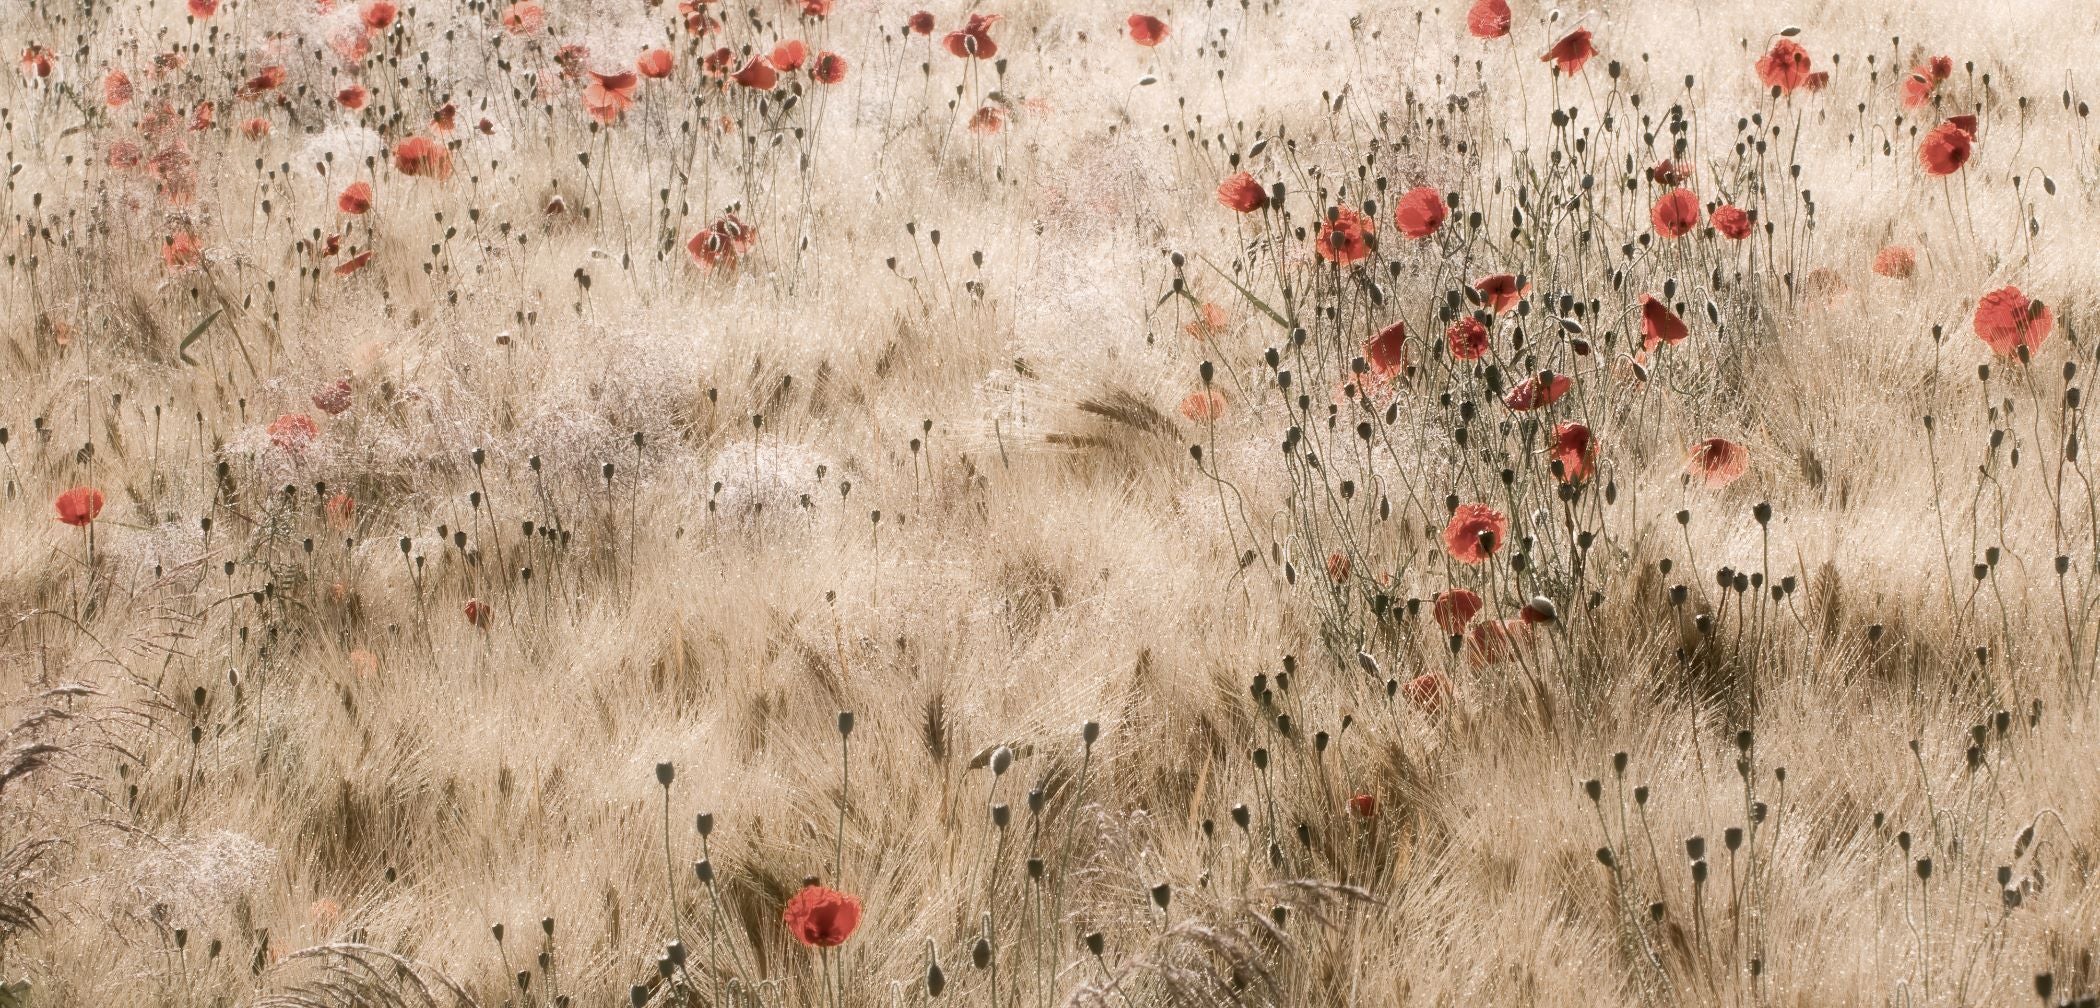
[{"x": 665, "y": 772}]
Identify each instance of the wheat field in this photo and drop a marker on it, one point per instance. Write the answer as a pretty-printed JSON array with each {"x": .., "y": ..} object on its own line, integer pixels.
[{"x": 815, "y": 502}]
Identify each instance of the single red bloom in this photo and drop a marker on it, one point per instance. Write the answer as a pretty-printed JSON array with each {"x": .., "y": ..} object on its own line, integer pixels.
[
  {"x": 1365, "y": 806},
  {"x": 423, "y": 156},
  {"x": 1785, "y": 66},
  {"x": 255, "y": 128},
  {"x": 1576, "y": 451},
  {"x": 609, "y": 95},
  {"x": 1467, "y": 338},
  {"x": 1387, "y": 351},
  {"x": 355, "y": 199},
  {"x": 654, "y": 64},
  {"x": 1924, "y": 79},
  {"x": 1530, "y": 394},
  {"x": 1946, "y": 149},
  {"x": 1659, "y": 325},
  {"x": 1675, "y": 214},
  {"x": 920, "y": 23},
  {"x": 265, "y": 81},
  {"x": 354, "y": 263},
  {"x": 333, "y": 398},
  {"x": 1571, "y": 52},
  {"x": 1427, "y": 692},
  {"x": 2008, "y": 320},
  {"x": 816, "y": 8},
  {"x": 79, "y": 506},
  {"x": 479, "y": 614},
  {"x": 1241, "y": 192},
  {"x": 292, "y": 432},
  {"x": 1474, "y": 533},
  {"x": 1420, "y": 212},
  {"x": 758, "y": 74},
  {"x": 116, "y": 89},
  {"x": 378, "y": 15},
  {"x": 1488, "y": 19},
  {"x": 1896, "y": 262},
  {"x": 1718, "y": 461},
  {"x": 1454, "y": 608},
  {"x": 1203, "y": 405},
  {"x": 974, "y": 39},
  {"x": 202, "y": 116},
  {"x": 829, "y": 68},
  {"x": 201, "y": 9},
  {"x": 1346, "y": 237},
  {"x": 821, "y": 917},
  {"x": 1670, "y": 173},
  {"x": 352, "y": 97},
  {"x": 789, "y": 56},
  {"x": 446, "y": 118},
  {"x": 1146, "y": 30},
  {"x": 1500, "y": 291},
  {"x": 1731, "y": 221},
  {"x": 523, "y": 18},
  {"x": 988, "y": 120},
  {"x": 182, "y": 251}
]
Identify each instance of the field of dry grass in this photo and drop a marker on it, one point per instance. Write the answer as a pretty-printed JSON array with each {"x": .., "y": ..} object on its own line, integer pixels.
[{"x": 500, "y": 500}]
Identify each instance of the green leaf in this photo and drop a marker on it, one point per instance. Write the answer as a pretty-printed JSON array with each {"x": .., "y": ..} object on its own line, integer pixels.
[
  {"x": 183, "y": 351},
  {"x": 15, "y": 995},
  {"x": 1249, "y": 295}
]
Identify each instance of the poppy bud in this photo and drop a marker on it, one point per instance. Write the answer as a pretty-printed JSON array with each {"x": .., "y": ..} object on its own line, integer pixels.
[
  {"x": 704, "y": 823},
  {"x": 665, "y": 773},
  {"x": 981, "y": 953},
  {"x": 845, "y": 723}
]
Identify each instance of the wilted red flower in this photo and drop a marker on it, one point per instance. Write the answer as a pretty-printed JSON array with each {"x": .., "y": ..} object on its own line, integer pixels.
[
  {"x": 1500, "y": 291},
  {"x": 1488, "y": 19},
  {"x": 1659, "y": 325},
  {"x": 352, "y": 97},
  {"x": 1454, "y": 608},
  {"x": 758, "y": 74},
  {"x": 1427, "y": 692},
  {"x": 1387, "y": 351},
  {"x": 1530, "y": 394},
  {"x": 829, "y": 68},
  {"x": 821, "y": 917},
  {"x": 1203, "y": 405},
  {"x": 920, "y": 23},
  {"x": 1241, "y": 192},
  {"x": 333, "y": 398},
  {"x": 654, "y": 64},
  {"x": 1946, "y": 149},
  {"x": 341, "y": 510},
  {"x": 255, "y": 128},
  {"x": 1731, "y": 221},
  {"x": 446, "y": 118},
  {"x": 1474, "y": 533},
  {"x": 479, "y": 614},
  {"x": 1467, "y": 338},
  {"x": 79, "y": 506},
  {"x": 1718, "y": 461},
  {"x": 266, "y": 80},
  {"x": 1576, "y": 451},
  {"x": 1675, "y": 214},
  {"x": 1897, "y": 262},
  {"x": 356, "y": 198},
  {"x": 424, "y": 157},
  {"x": 378, "y": 15},
  {"x": 523, "y": 18},
  {"x": 1420, "y": 212},
  {"x": 201, "y": 9},
  {"x": 1346, "y": 237},
  {"x": 116, "y": 89},
  {"x": 1784, "y": 67},
  {"x": 292, "y": 432},
  {"x": 988, "y": 120},
  {"x": 1571, "y": 52},
  {"x": 1338, "y": 566},
  {"x": 974, "y": 39},
  {"x": 1924, "y": 79},
  {"x": 1364, "y": 806},
  {"x": 789, "y": 56},
  {"x": 2008, "y": 320},
  {"x": 1670, "y": 173},
  {"x": 1146, "y": 30},
  {"x": 609, "y": 95}
]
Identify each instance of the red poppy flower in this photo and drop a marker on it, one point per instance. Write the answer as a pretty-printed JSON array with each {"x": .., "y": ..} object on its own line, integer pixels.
[
  {"x": 355, "y": 199},
  {"x": 378, "y": 15},
  {"x": 1420, "y": 212},
  {"x": 1659, "y": 325},
  {"x": 79, "y": 506},
  {"x": 1427, "y": 692},
  {"x": 523, "y": 18},
  {"x": 354, "y": 263},
  {"x": 1387, "y": 351},
  {"x": 609, "y": 95},
  {"x": 201, "y": 117},
  {"x": 1675, "y": 214},
  {"x": 1576, "y": 451},
  {"x": 292, "y": 432},
  {"x": 1718, "y": 461},
  {"x": 1946, "y": 149},
  {"x": 352, "y": 97},
  {"x": 1731, "y": 221},
  {"x": 1571, "y": 52},
  {"x": 1474, "y": 533},
  {"x": 1500, "y": 291},
  {"x": 125, "y": 154},
  {"x": 422, "y": 156},
  {"x": 1488, "y": 19},
  {"x": 1530, "y": 395},
  {"x": 821, "y": 917},
  {"x": 722, "y": 243},
  {"x": 974, "y": 39},
  {"x": 447, "y": 116},
  {"x": 1467, "y": 338},
  {"x": 1924, "y": 79},
  {"x": 1203, "y": 405},
  {"x": 341, "y": 510},
  {"x": 1784, "y": 67},
  {"x": 1241, "y": 192},
  {"x": 1338, "y": 566},
  {"x": 789, "y": 56},
  {"x": 1146, "y": 30},
  {"x": 988, "y": 120},
  {"x": 265, "y": 81},
  {"x": 654, "y": 64},
  {"x": 1496, "y": 641},
  {"x": 1966, "y": 124},
  {"x": 920, "y": 23},
  {"x": 116, "y": 89},
  {"x": 1670, "y": 173},
  {"x": 1896, "y": 262},
  {"x": 2008, "y": 320},
  {"x": 479, "y": 614},
  {"x": 758, "y": 74},
  {"x": 333, "y": 398},
  {"x": 829, "y": 68},
  {"x": 816, "y": 8},
  {"x": 1454, "y": 608},
  {"x": 201, "y": 9},
  {"x": 1364, "y": 806},
  {"x": 255, "y": 128},
  {"x": 1346, "y": 237},
  {"x": 182, "y": 251}
]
